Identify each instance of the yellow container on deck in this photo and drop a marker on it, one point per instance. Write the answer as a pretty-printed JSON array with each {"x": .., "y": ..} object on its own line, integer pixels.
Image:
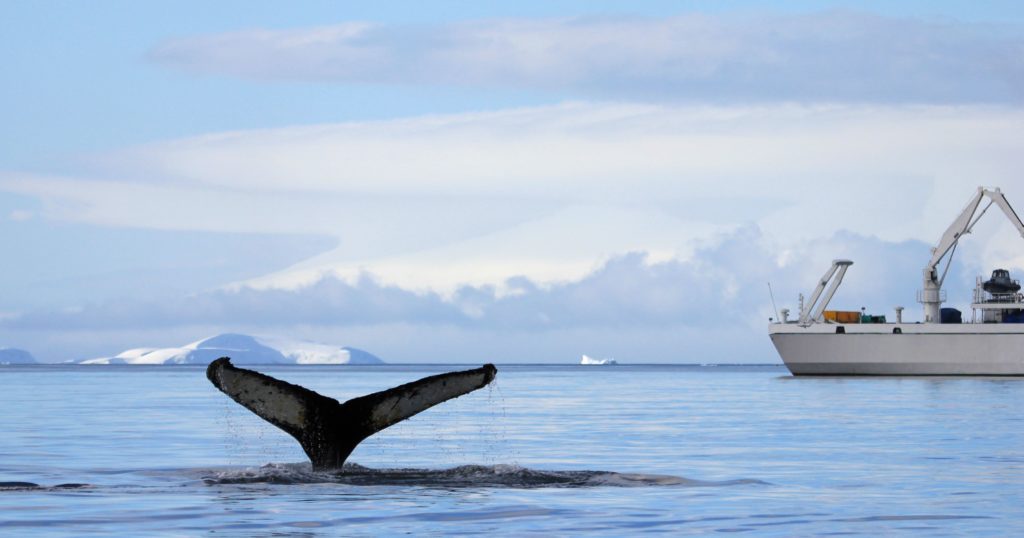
[{"x": 842, "y": 316}]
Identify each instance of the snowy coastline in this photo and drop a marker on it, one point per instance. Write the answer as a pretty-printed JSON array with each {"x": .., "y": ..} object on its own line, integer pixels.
[{"x": 243, "y": 349}]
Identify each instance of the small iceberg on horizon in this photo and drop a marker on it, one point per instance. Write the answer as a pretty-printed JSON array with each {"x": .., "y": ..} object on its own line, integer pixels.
[{"x": 597, "y": 362}]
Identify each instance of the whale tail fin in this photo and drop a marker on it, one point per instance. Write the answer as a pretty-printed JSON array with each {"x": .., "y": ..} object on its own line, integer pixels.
[{"x": 328, "y": 430}]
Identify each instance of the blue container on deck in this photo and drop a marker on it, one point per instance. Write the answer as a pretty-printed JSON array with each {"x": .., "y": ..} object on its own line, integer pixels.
[
  {"x": 1015, "y": 317},
  {"x": 950, "y": 315}
]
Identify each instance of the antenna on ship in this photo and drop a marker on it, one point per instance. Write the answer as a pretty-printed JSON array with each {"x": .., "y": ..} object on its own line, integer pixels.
[{"x": 772, "y": 295}]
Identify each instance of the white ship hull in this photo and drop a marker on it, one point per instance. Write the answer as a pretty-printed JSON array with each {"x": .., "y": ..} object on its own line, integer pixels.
[{"x": 918, "y": 349}]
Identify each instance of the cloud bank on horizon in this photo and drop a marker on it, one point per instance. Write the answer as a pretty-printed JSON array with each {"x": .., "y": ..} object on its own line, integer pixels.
[
  {"x": 721, "y": 283},
  {"x": 678, "y": 165}
]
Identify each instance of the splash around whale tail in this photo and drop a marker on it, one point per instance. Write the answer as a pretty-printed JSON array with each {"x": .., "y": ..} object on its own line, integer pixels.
[{"x": 328, "y": 430}]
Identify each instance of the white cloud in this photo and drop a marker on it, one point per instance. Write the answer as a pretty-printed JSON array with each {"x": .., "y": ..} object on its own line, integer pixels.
[
  {"x": 599, "y": 152},
  {"x": 710, "y": 308},
  {"x": 563, "y": 246},
  {"x": 829, "y": 56},
  {"x": 582, "y": 151},
  {"x": 549, "y": 192},
  {"x": 722, "y": 284}
]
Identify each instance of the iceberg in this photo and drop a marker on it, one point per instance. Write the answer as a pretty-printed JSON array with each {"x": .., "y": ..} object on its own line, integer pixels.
[
  {"x": 598, "y": 362},
  {"x": 300, "y": 352},
  {"x": 243, "y": 349},
  {"x": 10, "y": 355}
]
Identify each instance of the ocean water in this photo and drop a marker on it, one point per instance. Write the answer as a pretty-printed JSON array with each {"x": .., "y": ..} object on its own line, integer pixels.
[{"x": 546, "y": 450}]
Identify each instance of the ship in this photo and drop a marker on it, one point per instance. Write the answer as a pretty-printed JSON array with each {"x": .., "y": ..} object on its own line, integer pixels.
[{"x": 990, "y": 342}]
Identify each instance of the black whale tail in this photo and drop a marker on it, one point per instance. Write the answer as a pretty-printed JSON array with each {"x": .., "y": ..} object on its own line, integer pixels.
[{"x": 328, "y": 430}]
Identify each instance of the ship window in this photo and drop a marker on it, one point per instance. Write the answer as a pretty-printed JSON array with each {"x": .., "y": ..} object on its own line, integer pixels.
[{"x": 840, "y": 330}]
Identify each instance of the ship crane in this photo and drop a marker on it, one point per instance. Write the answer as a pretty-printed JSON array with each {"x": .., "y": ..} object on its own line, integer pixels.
[
  {"x": 814, "y": 310},
  {"x": 837, "y": 342},
  {"x": 931, "y": 295}
]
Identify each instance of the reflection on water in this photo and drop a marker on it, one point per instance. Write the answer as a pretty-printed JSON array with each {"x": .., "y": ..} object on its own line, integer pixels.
[{"x": 679, "y": 450}]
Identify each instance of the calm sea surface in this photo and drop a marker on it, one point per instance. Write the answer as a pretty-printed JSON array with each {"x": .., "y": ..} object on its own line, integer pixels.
[{"x": 677, "y": 450}]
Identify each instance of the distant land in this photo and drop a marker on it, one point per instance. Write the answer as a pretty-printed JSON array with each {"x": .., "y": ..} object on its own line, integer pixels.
[
  {"x": 10, "y": 355},
  {"x": 585, "y": 360},
  {"x": 243, "y": 349}
]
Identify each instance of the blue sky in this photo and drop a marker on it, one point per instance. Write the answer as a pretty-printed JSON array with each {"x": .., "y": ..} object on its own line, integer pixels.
[
  {"x": 81, "y": 81},
  {"x": 505, "y": 181}
]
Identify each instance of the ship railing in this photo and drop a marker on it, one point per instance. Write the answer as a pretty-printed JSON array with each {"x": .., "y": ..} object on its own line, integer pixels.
[
  {"x": 995, "y": 300},
  {"x": 931, "y": 296},
  {"x": 1004, "y": 298}
]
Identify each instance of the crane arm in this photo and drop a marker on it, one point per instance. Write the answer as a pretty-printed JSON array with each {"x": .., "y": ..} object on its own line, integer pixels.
[
  {"x": 838, "y": 269},
  {"x": 963, "y": 224},
  {"x": 999, "y": 198},
  {"x": 805, "y": 316},
  {"x": 843, "y": 265},
  {"x": 960, "y": 226}
]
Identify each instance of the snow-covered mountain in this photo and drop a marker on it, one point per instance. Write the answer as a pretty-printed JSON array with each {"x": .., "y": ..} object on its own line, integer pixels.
[
  {"x": 10, "y": 355},
  {"x": 243, "y": 349},
  {"x": 598, "y": 362},
  {"x": 299, "y": 352}
]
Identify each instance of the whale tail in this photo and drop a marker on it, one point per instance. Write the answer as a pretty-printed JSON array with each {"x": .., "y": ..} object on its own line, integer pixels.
[{"x": 328, "y": 430}]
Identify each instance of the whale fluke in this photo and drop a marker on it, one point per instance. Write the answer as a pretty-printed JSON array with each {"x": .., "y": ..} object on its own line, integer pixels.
[{"x": 328, "y": 430}]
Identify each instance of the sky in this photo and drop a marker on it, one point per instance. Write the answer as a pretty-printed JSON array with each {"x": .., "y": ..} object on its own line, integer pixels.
[{"x": 492, "y": 181}]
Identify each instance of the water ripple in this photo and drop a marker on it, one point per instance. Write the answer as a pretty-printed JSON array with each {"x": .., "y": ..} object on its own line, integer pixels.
[{"x": 464, "y": 476}]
